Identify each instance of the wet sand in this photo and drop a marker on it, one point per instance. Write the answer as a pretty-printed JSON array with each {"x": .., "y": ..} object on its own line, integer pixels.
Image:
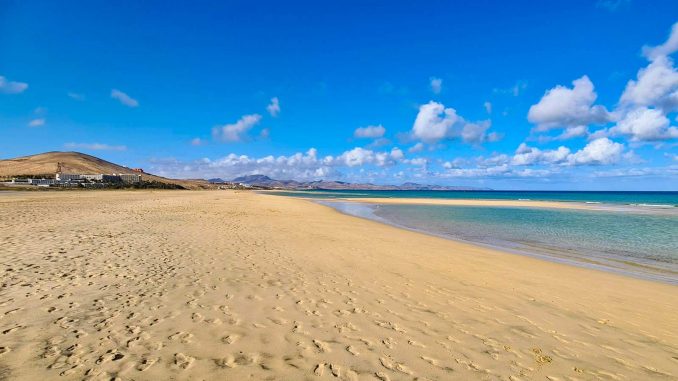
[{"x": 186, "y": 285}]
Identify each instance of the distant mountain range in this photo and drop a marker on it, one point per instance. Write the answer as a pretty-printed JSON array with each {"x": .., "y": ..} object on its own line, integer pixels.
[{"x": 267, "y": 182}]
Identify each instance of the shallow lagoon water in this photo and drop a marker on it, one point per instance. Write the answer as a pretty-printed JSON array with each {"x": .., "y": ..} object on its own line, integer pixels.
[{"x": 638, "y": 244}]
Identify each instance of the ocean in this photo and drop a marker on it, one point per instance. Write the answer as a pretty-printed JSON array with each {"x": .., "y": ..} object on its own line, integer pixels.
[
  {"x": 612, "y": 197},
  {"x": 640, "y": 239}
]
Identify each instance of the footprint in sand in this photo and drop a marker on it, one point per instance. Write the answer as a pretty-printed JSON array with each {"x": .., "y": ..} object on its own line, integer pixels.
[
  {"x": 146, "y": 362},
  {"x": 322, "y": 346},
  {"x": 416, "y": 344},
  {"x": 351, "y": 349},
  {"x": 389, "y": 364},
  {"x": 183, "y": 361},
  {"x": 226, "y": 362},
  {"x": 244, "y": 359},
  {"x": 230, "y": 339},
  {"x": 4, "y": 350},
  {"x": 389, "y": 342},
  {"x": 319, "y": 369},
  {"x": 184, "y": 337}
]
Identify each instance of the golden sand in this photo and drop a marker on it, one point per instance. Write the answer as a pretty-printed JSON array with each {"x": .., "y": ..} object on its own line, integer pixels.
[{"x": 221, "y": 285}]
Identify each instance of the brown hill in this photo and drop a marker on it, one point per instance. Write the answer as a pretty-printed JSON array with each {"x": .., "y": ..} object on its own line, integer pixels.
[{"x": 45, "y": 165}]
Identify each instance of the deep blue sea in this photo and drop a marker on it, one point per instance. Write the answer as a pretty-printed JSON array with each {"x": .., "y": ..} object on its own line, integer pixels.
[
  {"x": 639, "y": 239},
  {"x": 653, "y": 198}
]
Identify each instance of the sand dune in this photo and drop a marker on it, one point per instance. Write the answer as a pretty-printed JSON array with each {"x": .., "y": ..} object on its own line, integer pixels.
[{"x": 235, "y": 285}]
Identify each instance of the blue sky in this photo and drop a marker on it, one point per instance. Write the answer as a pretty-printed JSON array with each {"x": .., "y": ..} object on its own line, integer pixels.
[{"x": 510, "y": 95}]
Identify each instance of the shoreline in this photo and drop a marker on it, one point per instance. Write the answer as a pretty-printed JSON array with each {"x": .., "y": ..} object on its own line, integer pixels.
[
  {"x": 573, "y": 205},
  {"x": 624, "y": 268},
  {"x": 234, "y": 285}
]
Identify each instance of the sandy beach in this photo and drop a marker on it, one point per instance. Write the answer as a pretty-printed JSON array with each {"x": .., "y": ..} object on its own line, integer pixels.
[{"x": 204, "y": 285}]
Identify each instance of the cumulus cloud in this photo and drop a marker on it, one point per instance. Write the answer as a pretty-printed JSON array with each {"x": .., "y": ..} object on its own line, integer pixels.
[
  {"x": 416, "y": 148},
  {"x": 37, "y": 122},
  {"x": 95, "y": 146},
  {"x": 11, "y": 87},
  {"x": 360, "y": 156},
  {"x": 526, "y": 155},
  {"x": 656, "y": 85},
  {"x": 436, "y": 85},
  {"x": 563, "y": 107},
  {"x": 646, "y": 101},
  {"x": 670, "y": 46},
  {"x": 273, "y": 108},
  {"x": 369, "y": 132},
  {"x": 476, "y": 133},
  {"x": 237, "y": 131},
  {"x": 300, "y": 166},
  {"x": 597, "y": 152},
  {"x": 124, "y": 98},
  {"x": 435, "y": 122},
  {"x": 645, "y": 124}
]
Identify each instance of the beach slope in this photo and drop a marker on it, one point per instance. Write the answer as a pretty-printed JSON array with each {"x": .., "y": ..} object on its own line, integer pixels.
[{"x": 235, "y": 285}]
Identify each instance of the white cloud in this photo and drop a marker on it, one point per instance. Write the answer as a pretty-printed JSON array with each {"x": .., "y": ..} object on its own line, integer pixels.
[
  {"x": 300, "y": 166},
  {"x": 436, "y": 85},
  {"x": 124, "y": 98},
  {"x": 434, "y": 123},
  {"x": 656, "y": 85},
  {"x": 665, "y": 172},
  {"x": 11, "y": 87},
  {"x": 665, "y": 49},
  {"x": 645, "y": 124},
  {"x": 369, "y": 132},
  {"x": 476, "y": 133},
  {"x": 37, "y": 122},
  {"x": 397, "y": 154},
  {"x": 274, "y": 107},
  {"x": 357, "y": 156},
  {"x": 418, "y": 161},
  {"x": 488, "y": 107},
  {"x": 95, "y": 146},
  {"x": 568, "y": 107},
  {"x": 197, "y": 142},
  {"x": 416, "y": 148},
  {"x": 573, "y": 132},
  {"x": 597, "y": 152},
  {"x": 237, "y": 131},
  {"x": 360, "y": 156},
  {"x": 646, "y": 101},
  {"x": 526, "y": 155},
  {"x": 514, "y": 90},
  {"x": 76, "y": 96}
]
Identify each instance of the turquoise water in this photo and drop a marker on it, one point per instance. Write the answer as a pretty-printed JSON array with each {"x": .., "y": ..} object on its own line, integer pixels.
[
  {"x": 639, "y": 244},
  {"x": 627, "y": 198}
]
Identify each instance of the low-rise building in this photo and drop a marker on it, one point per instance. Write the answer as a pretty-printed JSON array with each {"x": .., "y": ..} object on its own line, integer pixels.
[
  {"x": 67, "y": 176},
  {"x": 129, "y": 178}
]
